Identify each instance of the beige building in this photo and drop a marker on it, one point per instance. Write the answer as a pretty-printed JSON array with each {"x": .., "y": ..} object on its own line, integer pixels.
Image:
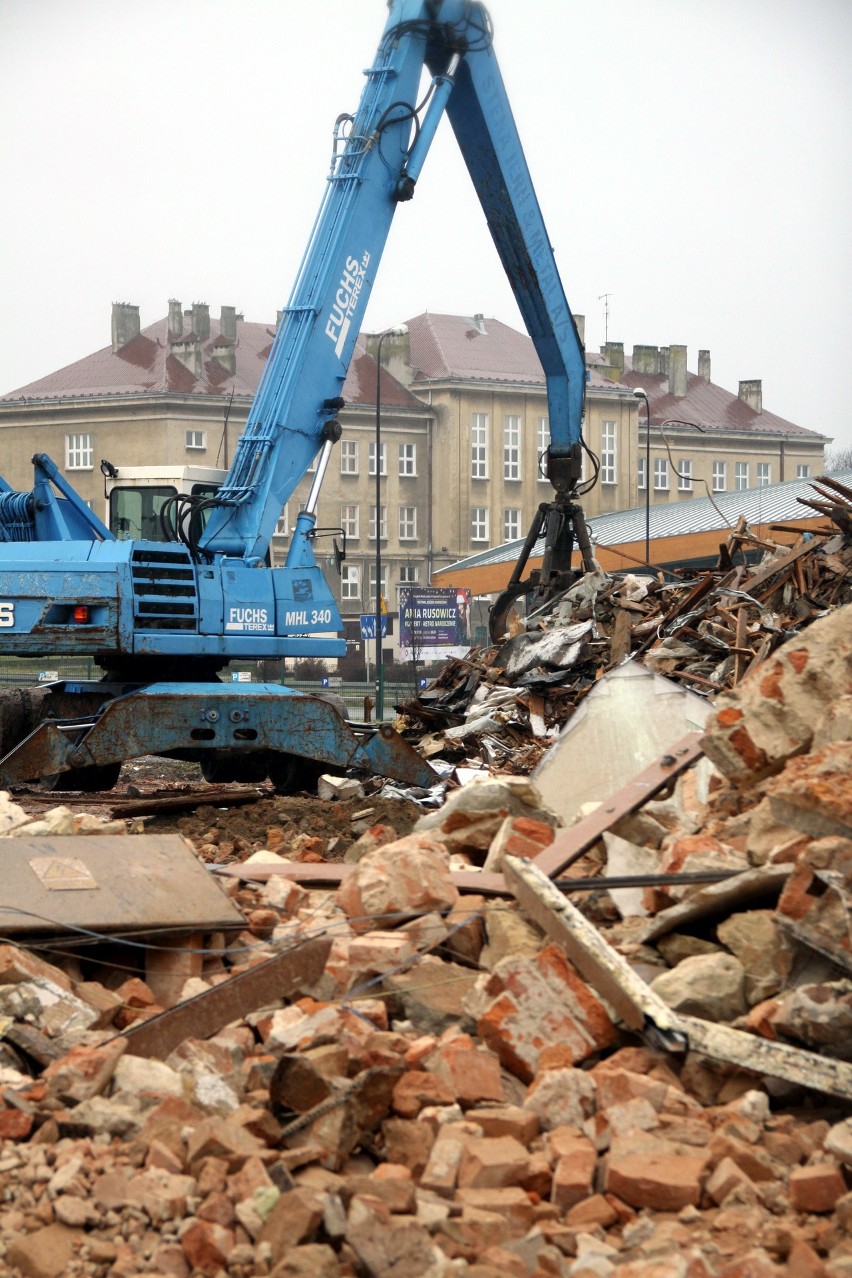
[{"x": 463, "y": 427}]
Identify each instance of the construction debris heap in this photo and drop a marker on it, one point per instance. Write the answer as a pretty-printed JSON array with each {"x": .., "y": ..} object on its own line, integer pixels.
[{"x": 500, "y": 1043}]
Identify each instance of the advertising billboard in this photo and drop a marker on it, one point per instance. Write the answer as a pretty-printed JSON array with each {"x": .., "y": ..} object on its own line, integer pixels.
[{"x": 434, "y": 621}]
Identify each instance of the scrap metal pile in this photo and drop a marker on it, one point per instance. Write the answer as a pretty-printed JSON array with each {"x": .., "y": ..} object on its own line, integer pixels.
[{"x": 503, "y": 704}]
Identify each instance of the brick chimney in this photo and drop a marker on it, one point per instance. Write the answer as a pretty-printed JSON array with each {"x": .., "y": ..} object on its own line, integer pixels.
[
  {"x": 226, "y": 355},
  {"x": 187, "y": 351},
  {"x": 613, "y": 353},
  {"x": 677, "y": 371},
  {"x": 580, "y": 321},
  {"x": 175, "y": 319},
  {"x": 751, "y": 393},
  {"x": 201, "y": 320},
  {"x": 704, "y": 365},
  {"x": 664, "y": 361},
  {"x": 228, "y": 323},
  {"x": 125, "y": 324},
  {"x": 646, "y": 360}
]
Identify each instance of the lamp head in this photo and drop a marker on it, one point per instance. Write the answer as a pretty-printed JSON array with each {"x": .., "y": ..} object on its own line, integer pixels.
[{"x": 640, "y": 394}]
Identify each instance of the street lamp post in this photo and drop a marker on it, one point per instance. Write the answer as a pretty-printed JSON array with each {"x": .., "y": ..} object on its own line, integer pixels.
[
  {"x": 640, "y": 394},
  {"x": 399, "y": 331}
]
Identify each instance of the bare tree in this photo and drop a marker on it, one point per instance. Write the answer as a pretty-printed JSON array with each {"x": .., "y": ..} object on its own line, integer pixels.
[{"x": 838, "y": 459}]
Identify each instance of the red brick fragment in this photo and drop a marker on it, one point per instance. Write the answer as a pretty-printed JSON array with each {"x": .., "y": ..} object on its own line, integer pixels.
[
  {"x": 416, "y": 1089},
  {"x": 656, "y": 1178},
  {"x": 539, "y": 1001},
  {"x": 15, "y": 1124},
  {"x": 817, "y": 1187}
]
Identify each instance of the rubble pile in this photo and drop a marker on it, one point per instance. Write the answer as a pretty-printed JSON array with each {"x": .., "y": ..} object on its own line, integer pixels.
[
  {"x": 419, "y": 1062},
  {"x": 502, "y": 705},
  {"x": 442, "y": 1090}
]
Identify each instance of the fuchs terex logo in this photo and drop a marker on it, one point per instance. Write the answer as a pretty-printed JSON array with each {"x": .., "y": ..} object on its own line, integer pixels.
[
  {"x": 7, "y": 615},
  {"x": 249, "y": 619},
  {"x": 346, "y": 301}
]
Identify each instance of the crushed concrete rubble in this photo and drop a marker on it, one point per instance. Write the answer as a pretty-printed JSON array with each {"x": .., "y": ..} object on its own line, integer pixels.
[{"x": 411, "y": 1080}]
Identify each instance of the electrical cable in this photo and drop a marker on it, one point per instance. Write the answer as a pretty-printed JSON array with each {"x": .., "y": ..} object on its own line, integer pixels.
[{"x": 683, "y": 475}]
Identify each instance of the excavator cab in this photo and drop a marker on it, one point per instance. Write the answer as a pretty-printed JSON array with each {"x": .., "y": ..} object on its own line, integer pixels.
[{"x": 138, "y": 499}]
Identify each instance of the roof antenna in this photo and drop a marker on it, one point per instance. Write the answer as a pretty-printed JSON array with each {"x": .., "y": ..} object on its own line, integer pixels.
[{"x": 604, "y": 297}]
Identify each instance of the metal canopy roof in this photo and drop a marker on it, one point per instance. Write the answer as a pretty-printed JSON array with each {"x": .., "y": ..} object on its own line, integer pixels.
[{"x": 774, "y": 503}]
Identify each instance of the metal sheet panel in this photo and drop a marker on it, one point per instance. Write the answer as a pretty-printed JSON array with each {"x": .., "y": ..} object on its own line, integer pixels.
[{"x": 108, "y": 883}]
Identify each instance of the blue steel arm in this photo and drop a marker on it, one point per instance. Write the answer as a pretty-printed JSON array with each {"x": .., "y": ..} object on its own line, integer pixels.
[
  {"x": 307, "y": 366},
  {"x": 294, "y": 410},
  {"x": 482, "y": 120}
]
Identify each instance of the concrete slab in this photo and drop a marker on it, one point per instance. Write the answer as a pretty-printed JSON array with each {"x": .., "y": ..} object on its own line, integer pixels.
[{"x": 108, "y": 884}]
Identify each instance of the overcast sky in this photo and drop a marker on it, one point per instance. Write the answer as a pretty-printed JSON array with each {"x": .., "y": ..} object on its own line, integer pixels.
[{"x": 692, "y": 159}]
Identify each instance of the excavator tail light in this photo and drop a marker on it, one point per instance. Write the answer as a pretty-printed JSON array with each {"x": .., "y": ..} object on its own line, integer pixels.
[{"x": 81, "y": 614}]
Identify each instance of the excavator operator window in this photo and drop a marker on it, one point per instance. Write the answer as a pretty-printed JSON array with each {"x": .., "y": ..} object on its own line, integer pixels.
[{"x": 135, "y": 512}]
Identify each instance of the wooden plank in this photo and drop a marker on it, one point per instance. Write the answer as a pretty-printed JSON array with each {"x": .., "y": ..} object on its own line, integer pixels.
[
  {"x": 331, "y": 874},
  {"x": 644, "y": 1011},
  {"x": 766, "y": 573},
  {"x": 261, "y": 985},
  {"x": 217, "y": 797},
  {"x": 740, "y": 664},
  {"x": 570, "y": 845},
  {"x": 621, "y": 637}
]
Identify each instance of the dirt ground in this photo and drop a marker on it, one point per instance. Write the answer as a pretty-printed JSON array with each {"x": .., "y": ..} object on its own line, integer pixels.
[
  {"x": 302, "y": 824},
  {"x": 310, "y": 827}
]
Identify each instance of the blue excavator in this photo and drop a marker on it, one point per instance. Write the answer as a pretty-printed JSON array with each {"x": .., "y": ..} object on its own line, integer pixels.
[{"x": 163, "y": 618}]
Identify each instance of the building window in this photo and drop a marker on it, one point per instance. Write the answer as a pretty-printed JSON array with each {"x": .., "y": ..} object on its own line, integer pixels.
[
  {"x": 641, "y": 476},
  {"x": 408, "y": 523},
  {"x": 350, "y": 582},
  {"x": 661, "y": 474},
  {"x": 383, "y": 459},
  {"x": 740, "y": 476},
  {"x": 408, "y": 576},
  {"x": 349, "y": 520},
  {"x": 383, "y": 589},
  {"x": 79, "y": 452},
  {"x": 684, "y": 475},
  {"x": 511, "y": 446},
  {"x": 479, "y": 446},
  {"x": 408, "y": 459},
  {"x": 803, "y": 471},
  {"x": 720, "y": 477},
  {"x": 542, "y": 443},
  {"x": 383, "y": 523},
  {"x": 349, "y": 457},
  {"x": 282, "y": 528},
  {"x": 312, "y": 465},
  {"x": 764, "y": 474},
  {"x": 478, "y": 523},
  {"x": 608, "y": 457},
  {"x": 511, "y": 523},
  {"x": 196, "y": 439}
]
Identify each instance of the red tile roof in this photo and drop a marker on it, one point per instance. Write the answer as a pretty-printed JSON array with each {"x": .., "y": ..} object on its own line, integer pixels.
[
  {"x": 454, "y": 347},
  {"x": 708, "y": 405},
  {"x": 443, "y": 347},
  {"x": 146, "y": 365},
  {"x": 461, "y": 348}
]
